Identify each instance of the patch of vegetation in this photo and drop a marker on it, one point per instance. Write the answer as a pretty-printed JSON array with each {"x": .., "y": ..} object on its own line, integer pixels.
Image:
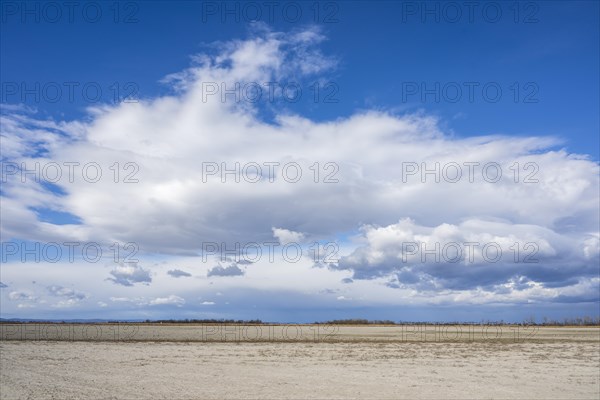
[{"x": 206, "y": 321}]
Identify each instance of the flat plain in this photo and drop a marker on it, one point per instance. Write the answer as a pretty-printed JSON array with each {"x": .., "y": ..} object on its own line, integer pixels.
[{"x": 188, "y": 361}]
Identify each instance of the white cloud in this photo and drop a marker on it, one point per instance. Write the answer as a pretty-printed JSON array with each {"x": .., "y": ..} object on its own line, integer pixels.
[
  {"x": 157, "y": 301},
  {"x": 285, "y": 236},
  {"x": 232, "y": 270},
  {"x": 172, "y": 210},
  {"x": 129, "y": 274},
  {"x": 70, "y": 296},
  {"x": 60, "y": 291},
  {"x": 138, "y": 301},
  {"x": 171, "y": 299},
  {"x": 177, "y": 273},
  {"x": 22, "y": 295},
  {"x": 117, "y": 299}
]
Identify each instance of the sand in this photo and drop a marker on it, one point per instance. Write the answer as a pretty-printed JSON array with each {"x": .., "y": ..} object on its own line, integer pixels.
[{"x": 355, "y": 362}]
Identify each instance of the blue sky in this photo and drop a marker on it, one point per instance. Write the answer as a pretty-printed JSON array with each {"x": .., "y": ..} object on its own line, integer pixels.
[
  {"x": 398, "y": 83},
  {"x": 555, "y": 46}
]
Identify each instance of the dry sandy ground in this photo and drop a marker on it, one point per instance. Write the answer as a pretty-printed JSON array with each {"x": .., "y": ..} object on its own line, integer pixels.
[
  {"x": 559, "y": 363},
  {"x": 294, "y": 333}
]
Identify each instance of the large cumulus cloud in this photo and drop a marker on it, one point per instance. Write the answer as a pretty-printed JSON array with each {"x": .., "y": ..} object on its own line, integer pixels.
[
  {"x": 172, "y": 208},
  {"x": 473, "y": 254}
]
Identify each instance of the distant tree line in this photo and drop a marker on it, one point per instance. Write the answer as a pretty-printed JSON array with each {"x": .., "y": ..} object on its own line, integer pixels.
[
  {"x": 576, "y": 321},
  {"x": 205, "y": 321},
  {"x": 358, "y": 321}
]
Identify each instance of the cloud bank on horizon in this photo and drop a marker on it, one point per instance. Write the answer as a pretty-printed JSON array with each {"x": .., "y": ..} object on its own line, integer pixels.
[{"x": 409, "y": 206}]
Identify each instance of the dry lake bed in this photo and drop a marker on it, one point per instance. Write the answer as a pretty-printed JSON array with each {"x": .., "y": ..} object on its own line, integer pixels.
[{"x": 145, "y": 361}]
